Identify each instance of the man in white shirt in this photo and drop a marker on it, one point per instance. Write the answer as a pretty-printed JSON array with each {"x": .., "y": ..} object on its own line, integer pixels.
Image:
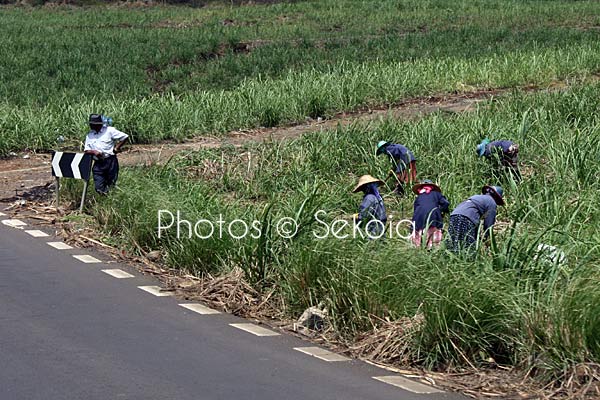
[{"x": 103, "y": 142}]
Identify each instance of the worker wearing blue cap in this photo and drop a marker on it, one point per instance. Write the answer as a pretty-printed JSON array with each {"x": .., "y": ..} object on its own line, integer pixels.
[
  {"x": 505, "y": 153},
  {"x": 404, "y": 163}
]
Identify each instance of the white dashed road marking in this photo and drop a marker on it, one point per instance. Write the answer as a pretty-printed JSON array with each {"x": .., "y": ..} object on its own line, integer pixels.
[
  {"x": 87, "y": 259},
  {"x": 407, "y": 384},
  {"x": 36, "y": 233},
  {"x": 15, "y": 223},
  {"x": 199, "y": 308},
  {"x": 322, "y": 354},
  {"x": 155, "y": 290},
  {"x": 59, "y": 245},
  {"x": 255, "y": 329},
  {"x": 117, "y": 273},
  {"x": 2, "y": 214}
]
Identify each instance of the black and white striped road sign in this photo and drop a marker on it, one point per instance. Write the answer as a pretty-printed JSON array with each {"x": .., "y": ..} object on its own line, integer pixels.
[{"x": 71, "y": 165}]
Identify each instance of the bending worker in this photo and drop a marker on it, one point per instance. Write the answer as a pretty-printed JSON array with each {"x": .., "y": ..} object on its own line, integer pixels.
[
  {"x": 427, "y": 217},
  {"x": 371, "y": 211},
  {"x": 404, "y": 163},
  {"x": 466, "y": 217},
  {"x": 103, "y": 142},
  {"x": 504, "y": 153}
]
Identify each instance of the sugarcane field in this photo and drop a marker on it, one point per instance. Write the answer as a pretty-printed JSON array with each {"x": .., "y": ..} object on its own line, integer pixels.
[{"x": 409, "y": 184}]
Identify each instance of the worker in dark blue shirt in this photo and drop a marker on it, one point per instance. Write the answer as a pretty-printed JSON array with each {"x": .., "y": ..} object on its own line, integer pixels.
[
  {"x": 466, "y": 217},
  {"x": 427, "y": 217},
  {"x": 371, "y": 212},
  {"x": 404, "y": 163},
  {"x": 504, "y": 153}
]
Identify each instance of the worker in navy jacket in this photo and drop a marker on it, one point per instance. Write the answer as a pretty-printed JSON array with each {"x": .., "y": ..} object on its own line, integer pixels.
[
  {"x": 466, "y": 218},
  {"x": 504, "y": 153},
  {"x": 427, "y": 217},
  {"x": 404, "y": 163}
]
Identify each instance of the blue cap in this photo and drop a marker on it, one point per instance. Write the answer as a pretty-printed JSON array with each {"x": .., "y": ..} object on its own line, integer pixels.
[
  {"x": 481, "y": 147},
  {"x": 496, "y": 192},
  {"x": 381, "y": 146}
]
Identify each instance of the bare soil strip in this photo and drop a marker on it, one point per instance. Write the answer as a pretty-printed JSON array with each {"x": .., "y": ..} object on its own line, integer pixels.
[
  {"x": 26, "y": 177},
  {"x": 20, "y": 175},
  {"x": 151, "y": 154}
]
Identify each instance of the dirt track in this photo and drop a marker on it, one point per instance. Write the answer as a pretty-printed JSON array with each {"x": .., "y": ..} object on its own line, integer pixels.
[
  {"x": 26, "y": 177},
  {"x": 29, "y": 178}
]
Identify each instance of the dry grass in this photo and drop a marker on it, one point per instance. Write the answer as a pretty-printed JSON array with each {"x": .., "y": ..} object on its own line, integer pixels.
[
  {"x": 391, "y": 342},
  {"x": 229, "y": 292}
]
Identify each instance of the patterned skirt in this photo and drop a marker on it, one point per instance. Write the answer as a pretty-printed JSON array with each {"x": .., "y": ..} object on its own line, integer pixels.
[{"x": 462, "y": 234}]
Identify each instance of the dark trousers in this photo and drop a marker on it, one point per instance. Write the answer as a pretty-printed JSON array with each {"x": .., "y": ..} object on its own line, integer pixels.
[{"x": 106, "y": 172}]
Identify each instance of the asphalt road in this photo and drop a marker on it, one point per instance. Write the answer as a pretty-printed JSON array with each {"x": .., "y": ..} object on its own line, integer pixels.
[{"x": 70, "y": 331}]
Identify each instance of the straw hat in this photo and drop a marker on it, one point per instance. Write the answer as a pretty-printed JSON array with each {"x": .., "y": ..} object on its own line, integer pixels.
[
  {"x": 417, "y": 188},
  {"x": 496, "y": 192},
  {"x": 365, "y": 179},
  {"x": 381, "y": 147}
]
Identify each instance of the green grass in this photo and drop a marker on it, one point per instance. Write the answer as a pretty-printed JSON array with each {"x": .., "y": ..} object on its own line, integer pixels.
[
  {"x": 505, "y": 304},
  {"x": 174, "y": 72}
]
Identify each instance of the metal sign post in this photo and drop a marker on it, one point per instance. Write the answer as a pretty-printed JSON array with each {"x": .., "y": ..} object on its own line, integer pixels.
[
  {"x": 57, "y": 186},
  {"x": 72, "y": 165},
  {"x": 85, "y": 185}
]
